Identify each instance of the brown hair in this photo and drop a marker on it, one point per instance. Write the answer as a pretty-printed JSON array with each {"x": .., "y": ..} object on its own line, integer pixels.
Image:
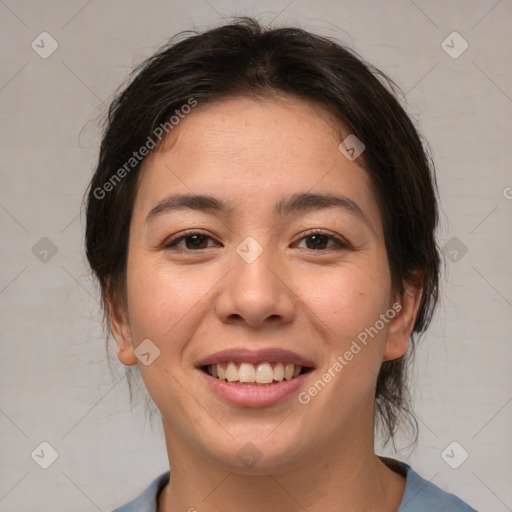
[{"x": 243, "y": 58}]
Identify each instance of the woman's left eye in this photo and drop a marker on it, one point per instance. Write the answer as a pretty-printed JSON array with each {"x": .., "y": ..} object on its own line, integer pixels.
[{"x": 318, "y": 240}]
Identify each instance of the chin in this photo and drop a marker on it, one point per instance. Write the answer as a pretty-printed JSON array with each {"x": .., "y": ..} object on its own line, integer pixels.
[{"x": 255, "y": 452}]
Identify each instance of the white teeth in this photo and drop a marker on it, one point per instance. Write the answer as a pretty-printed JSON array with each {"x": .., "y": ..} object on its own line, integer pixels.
[
  {"x": 231, "y": 372},
  {"x": 279, "y": 372},
  {"x": 247, "y": 373},
  {"x": 264, "y": 374}
]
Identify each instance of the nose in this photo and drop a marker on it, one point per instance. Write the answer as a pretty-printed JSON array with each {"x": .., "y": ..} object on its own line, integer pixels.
[{"x": 256, "y": 294}]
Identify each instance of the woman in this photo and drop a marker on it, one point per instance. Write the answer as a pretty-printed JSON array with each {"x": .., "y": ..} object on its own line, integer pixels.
[{"x": 261, "y": 223}]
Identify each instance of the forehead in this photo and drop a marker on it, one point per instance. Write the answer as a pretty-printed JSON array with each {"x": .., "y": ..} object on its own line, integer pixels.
[
  {"x": 251, "y": 150},
  {"x": 245, "y": 130}
]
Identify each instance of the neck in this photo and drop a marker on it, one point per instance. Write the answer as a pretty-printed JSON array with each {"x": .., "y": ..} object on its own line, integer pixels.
[{"x": 345, "y": 476}]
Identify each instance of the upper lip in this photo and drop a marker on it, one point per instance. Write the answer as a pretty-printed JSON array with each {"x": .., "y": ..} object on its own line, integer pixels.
[{"x": 244, "y": 355}]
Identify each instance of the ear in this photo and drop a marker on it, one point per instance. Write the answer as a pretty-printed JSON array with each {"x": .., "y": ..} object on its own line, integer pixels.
[
  {"x": 400, "y": 327},
  {"x": 120, "y": 328}
]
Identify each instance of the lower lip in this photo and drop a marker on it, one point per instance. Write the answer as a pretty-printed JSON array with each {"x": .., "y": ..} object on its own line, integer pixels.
[{"x": 254, "y": 396}]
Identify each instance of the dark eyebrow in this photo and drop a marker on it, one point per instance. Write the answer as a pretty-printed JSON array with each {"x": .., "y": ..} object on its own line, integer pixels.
[
  {"x": 301, "y": 202},
  {"x": 192, "y": 201},
  {"x": 308, "y": 201}
]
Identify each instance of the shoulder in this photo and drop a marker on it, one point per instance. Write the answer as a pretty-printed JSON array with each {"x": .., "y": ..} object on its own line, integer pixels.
[
  {"x": 423, "y": 496},
  {"x": 147, "y": 500}
]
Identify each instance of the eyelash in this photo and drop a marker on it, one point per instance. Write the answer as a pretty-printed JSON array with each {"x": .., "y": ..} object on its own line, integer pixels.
[{"x": 340, "y": 244}]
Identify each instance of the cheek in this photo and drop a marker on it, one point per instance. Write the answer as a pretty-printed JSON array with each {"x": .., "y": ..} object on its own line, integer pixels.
[
  {"x": 349, "y": 309},
  {"x": 347, "y": 301},
  {"x": 165, "y": 301}
]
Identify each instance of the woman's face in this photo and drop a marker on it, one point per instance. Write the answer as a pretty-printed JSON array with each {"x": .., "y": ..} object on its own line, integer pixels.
[{"x": 282, "y": 263}]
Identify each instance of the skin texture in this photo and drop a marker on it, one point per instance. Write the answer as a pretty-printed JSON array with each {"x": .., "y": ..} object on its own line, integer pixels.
[{"x": 194, "y": 302}]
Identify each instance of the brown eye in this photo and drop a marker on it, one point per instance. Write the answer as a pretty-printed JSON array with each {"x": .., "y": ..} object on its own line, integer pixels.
[
  {"x": 320, "y": 241},
  {"x": 317, "y": 242},
  {"x": 189, "y": 241}
]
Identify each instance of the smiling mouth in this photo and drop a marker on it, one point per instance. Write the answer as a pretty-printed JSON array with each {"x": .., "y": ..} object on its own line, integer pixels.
[{"x": 248, "y": 374}]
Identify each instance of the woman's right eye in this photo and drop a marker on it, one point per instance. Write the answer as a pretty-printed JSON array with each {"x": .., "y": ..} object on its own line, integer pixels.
[{"x": 189, "y": 241}]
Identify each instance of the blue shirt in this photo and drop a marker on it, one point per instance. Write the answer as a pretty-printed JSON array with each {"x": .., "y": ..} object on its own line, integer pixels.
[{"x": 420, "y": 496}]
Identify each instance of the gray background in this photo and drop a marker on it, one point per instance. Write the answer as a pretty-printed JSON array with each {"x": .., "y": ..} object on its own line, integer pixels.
[{"x": 56, "y": 386}]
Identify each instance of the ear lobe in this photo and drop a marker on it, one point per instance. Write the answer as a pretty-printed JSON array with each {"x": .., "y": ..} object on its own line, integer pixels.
[
  {"x": 120, "y": 328},
  {"x": 401, "y": 326}
]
